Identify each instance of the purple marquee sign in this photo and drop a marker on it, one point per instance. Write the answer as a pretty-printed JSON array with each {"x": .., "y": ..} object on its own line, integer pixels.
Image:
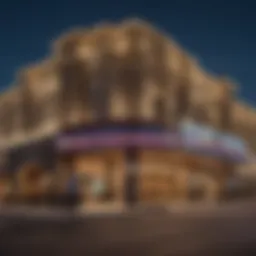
[
  {"x": 118, "y": 139},
  {"x": 189, "y": 136}
]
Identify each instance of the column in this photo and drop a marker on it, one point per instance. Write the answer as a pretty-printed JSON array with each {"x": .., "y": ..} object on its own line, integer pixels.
[{"x": 131, "y": 176}]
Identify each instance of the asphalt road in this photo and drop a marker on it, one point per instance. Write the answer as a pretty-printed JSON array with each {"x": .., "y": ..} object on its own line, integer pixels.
[{"x": 228, "y": 230}]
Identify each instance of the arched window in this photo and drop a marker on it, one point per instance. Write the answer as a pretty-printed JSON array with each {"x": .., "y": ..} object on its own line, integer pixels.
[
  {"x": 225, "y": 105},
  {"x": 102, "y": 83},
  {"x": 130, "y": 78},
  {"x": 31, "y": 111},
  {"x": 67, "y": 74},
  {"x": 160, "y": 71},
  {"x": 7, "y": 118},
  {"x": 160, "y": 110},
  {"x": 82, "y": 76},
  {"x": 74, "y": 83},
  {"x": 225, "y": 114},
  {"x": 183, "y": 101}
]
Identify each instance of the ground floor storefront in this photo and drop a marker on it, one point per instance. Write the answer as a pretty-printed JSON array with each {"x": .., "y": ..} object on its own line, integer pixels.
[
  {"x": 134, "y": 163},
  {"x": 133, "y": 176}
]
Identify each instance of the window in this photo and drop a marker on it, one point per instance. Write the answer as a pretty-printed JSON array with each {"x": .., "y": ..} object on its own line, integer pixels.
[
  {"x": 103, "y": 81},
  {"x": 74, "y": 93},
  {"x": 182, "y": 101},
  {"x": 67, "y": 75},
  {"x": 160, "y": 71},
  {"x": 130, "y": 78},
  {"x": 30, "y": 109},
  {"x": 160, "y": 110},
  {"x": 225, "y": 114},
  {"x": 7, "y": 118},
  {"x": 81, "y": 79}
]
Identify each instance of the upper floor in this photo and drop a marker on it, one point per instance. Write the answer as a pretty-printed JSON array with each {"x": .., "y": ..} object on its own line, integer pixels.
[{"x": 114, "y": 72}]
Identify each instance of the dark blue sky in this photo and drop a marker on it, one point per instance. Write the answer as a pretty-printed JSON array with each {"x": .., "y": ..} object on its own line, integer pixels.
[{"x": 221, "y": 35}]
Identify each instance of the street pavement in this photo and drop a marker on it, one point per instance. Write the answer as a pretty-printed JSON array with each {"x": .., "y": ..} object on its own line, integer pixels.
[{"x": 223, "y": 230}]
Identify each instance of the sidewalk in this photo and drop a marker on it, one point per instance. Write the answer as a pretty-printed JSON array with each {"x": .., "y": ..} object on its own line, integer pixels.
[
  {"x": 109, "y": 209},
  {"x": 102, "y": 208},
  {"x": 198, "y": 206},
  {"x": 112, "y": 208}
]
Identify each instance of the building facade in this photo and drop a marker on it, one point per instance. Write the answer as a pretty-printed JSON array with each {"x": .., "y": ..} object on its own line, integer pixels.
[{"x": 123, "y": 104}]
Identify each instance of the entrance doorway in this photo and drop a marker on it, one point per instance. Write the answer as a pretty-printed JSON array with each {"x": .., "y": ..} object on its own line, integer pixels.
[
  {"x": 30, "y": 183},
  {"x": 101, "y": 174}
]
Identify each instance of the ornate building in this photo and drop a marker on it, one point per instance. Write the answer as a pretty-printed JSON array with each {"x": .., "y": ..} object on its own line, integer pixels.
[
  {"x": 245, "y": 122},
  {"x": 118, "y": 97}
]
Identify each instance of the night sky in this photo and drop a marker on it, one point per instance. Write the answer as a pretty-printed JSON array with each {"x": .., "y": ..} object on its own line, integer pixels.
[{"x": 221, "y": 35}]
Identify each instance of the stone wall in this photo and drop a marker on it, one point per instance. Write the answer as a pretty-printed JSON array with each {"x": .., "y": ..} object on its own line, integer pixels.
[
  {"x": 11, "y": 118},
  {"x": 30, "y": 109},
  {"x": 245, "y": 122},
  {"x": 138, "y": 72},
  {"x": 122, "y": 71}
]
